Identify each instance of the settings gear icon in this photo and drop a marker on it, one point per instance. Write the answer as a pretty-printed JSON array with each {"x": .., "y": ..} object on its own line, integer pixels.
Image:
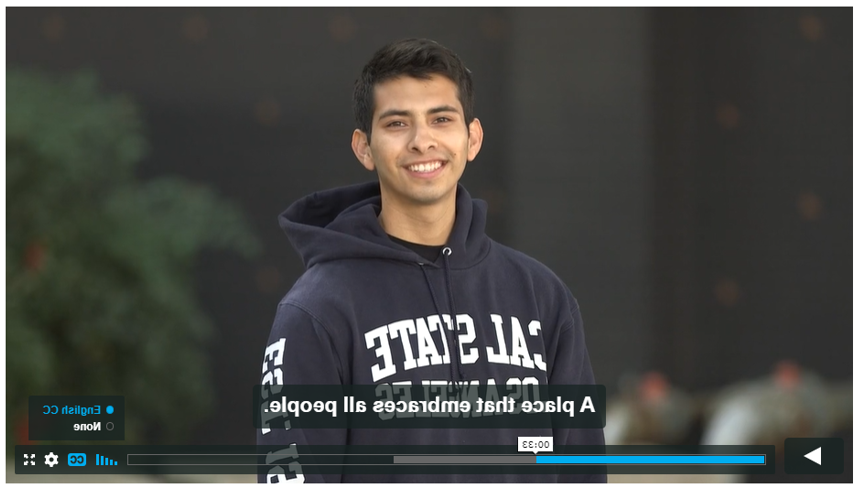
[{"x": 51, "y": 460}]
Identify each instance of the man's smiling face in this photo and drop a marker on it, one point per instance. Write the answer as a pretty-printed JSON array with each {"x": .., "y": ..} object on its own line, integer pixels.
[{"x": 420, "y": 142}]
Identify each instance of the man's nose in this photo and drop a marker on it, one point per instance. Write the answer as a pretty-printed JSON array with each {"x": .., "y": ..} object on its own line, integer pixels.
[{"x": 423, "y": 138}]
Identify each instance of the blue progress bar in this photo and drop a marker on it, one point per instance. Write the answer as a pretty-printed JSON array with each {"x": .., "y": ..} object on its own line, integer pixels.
[{"x": 651, "y": 459}]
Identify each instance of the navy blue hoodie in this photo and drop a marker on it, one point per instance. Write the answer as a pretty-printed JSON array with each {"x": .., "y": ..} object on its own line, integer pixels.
[{"x": 369, "y": 311}]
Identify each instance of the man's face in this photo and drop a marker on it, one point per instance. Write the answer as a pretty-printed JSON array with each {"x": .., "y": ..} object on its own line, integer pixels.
[{"x": 420, "y": 143}]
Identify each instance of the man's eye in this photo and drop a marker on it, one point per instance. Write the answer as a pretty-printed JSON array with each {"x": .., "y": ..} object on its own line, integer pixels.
[
  {"x": 443, "y": 119},
  {"x": 395, "y": 124}
]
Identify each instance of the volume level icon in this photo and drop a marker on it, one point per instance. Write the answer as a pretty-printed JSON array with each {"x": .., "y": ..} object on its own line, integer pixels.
[{"x": 100, "y": 460}]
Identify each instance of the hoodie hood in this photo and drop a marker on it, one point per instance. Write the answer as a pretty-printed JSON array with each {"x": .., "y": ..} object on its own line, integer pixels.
[{"x": 342, "y": 223}]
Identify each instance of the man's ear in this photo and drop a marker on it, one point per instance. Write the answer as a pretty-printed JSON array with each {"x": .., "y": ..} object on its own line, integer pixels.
[
  {"x": 361, "y": 148},
  {"x": 476, "y": 138}
]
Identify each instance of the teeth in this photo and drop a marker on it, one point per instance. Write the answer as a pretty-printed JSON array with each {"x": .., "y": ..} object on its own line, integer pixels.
[{"x": 426, "y": 167}]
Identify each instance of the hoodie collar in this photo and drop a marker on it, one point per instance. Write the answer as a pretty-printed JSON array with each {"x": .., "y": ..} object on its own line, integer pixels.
[{"x": 342, "y": 223}]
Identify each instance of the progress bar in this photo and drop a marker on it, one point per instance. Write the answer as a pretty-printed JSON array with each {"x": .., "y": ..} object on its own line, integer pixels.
[{"x": 382, "y": 459}]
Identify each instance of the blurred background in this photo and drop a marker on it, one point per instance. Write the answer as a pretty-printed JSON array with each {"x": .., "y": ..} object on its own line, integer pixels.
[{"x": 686, "y": 172}]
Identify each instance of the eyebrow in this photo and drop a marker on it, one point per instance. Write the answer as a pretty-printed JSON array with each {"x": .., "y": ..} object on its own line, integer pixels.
[{"x": 406, "y": 113}]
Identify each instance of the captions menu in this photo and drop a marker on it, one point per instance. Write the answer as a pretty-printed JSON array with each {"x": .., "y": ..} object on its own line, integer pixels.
[{"x": 59, "y": 418}]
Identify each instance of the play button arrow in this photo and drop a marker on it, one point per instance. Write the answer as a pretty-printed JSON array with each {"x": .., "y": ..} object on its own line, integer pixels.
[{"x": 815, "y": 455}]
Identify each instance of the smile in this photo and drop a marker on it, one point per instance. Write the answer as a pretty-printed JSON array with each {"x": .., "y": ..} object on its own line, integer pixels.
[{"x": 425, "y": 167}]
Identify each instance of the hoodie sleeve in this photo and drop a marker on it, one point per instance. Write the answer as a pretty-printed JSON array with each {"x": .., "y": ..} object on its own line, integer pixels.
[
  {"x": 299, "y": 352},
  {"x": 572, "y": 366}
]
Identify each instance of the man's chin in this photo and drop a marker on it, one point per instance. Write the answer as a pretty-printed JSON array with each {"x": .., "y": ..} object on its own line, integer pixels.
[
  {"x": 430, "y": 195},
  {"x": 429, "y": 199}
]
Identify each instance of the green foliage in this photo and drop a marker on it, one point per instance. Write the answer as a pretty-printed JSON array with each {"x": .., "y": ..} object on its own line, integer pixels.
[{"x": 99, "y": 265}]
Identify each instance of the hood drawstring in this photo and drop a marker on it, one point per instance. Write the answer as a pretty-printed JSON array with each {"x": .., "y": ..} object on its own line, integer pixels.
[
  {"x": 446, "y": 252},
  {"x": 454, "y": 353}
]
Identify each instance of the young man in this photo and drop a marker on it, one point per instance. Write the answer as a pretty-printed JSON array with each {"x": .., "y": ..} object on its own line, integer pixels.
[{"x": 403, "y": 285}]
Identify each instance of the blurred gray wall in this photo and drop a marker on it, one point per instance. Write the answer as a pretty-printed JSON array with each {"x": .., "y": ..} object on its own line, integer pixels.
[
  {"x": 580, "y": 156},
  {"x": 753, "y": 171},
  {"x": 685, "y": 171}
]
